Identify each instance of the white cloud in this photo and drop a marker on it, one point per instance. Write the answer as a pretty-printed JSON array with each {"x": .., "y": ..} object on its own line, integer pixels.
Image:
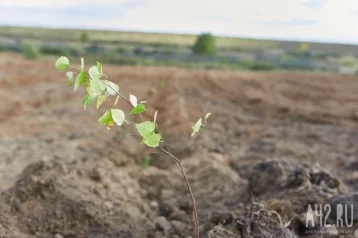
[
  {"x": 50, "y": 4},
  {"x": 333, "y": 20}
]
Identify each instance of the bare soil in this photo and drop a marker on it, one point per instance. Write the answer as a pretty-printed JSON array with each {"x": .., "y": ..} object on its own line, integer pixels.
[{"x": 275, "y": 143}]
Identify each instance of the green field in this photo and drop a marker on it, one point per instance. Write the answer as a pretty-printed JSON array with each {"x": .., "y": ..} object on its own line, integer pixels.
[
  {"x": 139, "y": 48},
  {"x": 133, "y": 37}
]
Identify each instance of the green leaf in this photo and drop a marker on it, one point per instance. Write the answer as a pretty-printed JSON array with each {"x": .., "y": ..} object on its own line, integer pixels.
[
  {"x": 138, "y": 109},
  {"x": 196, "y": 127},
  {"x": 133, "y": 99},
  {"x": 152, "y": 140},
  {"x": 101, "y": 100},
  {"x": 62, "y": 63},
  {"x": 106, "y": 119},
  {"x": 88, "y": 87},
  {"x": 94, "y": 73},
  {"x": 97, "y": 86},
  {"x": 111, "y": 88},
  {"x": 88, "y": 99},
  {"x": 118, "y": 116},
  {"x": 207, "y": 116},
  {"x": 69, "y": 78},
  {"x": 146, "y": 162},
  {"x": 80, "y": 79},
  {"x": 145, "y": 128},
  {"x": 99, "y": 68}
]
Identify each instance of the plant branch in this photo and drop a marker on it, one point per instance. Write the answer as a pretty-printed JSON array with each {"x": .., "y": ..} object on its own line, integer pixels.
[
  {"x": 188, "y": 149},
  {"x": 180, "y": 168},
  {"x": 175, "y": 159}
]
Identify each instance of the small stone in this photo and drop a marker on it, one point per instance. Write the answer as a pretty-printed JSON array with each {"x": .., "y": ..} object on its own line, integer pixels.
[
  {"x": 163, "y": 224},
  {"x": 131, "y": 192},
  {"x": 100, "y": 193},
  {"x": 58, "y": 236},
  {"x": 108, "y": 205},
  {"x": 97, "y": 174},
  {"x": 34, "y": 178},
  {"x": 107, "y": 183},
  {"x": 154, "y": 204},
  {"x": 220, "y": 157},
  {"x": 178, "y": 226}
]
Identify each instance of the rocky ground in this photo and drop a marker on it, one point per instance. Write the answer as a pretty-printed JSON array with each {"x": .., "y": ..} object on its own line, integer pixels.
[{"x": 275, "y": 144}]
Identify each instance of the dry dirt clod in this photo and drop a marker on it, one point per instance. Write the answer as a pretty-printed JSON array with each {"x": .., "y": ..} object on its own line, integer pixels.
[
  {"x": 97, "y": 174},
  {"x": 223, "y": 218},
  {"x": 163, "y": 224},
  {"x": 265, "y": 177},
  {"x": 108, "y": 205},
  {"x": 178, "y": 226}
]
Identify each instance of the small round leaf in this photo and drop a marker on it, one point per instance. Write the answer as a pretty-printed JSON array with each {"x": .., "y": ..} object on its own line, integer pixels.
[
  {"x": 62, "y": 63},
  {"x": 118, "y": 116}
]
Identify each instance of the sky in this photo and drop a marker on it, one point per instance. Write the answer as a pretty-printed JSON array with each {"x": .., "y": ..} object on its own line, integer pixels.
[{"x": 301, "y": 20}]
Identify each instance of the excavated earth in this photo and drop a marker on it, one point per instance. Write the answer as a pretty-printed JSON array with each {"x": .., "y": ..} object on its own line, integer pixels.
[{"x": 274, "y": 144}]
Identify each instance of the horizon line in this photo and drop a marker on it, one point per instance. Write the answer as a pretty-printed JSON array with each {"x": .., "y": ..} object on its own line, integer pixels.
[{"x": 183, "y": 33}]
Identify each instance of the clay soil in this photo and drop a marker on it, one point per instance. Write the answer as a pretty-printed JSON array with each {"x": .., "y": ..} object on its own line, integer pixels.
[{"x": 275, "y": 142}]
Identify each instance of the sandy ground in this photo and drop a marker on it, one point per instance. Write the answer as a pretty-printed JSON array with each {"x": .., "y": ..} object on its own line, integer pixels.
[{"x": 286, "y": 139}]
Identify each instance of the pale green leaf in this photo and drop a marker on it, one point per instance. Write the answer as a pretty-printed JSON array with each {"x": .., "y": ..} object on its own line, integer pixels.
[
  {"x": 118, "y": 116},
  {"x": 62, "y": 63},
  {"x": 111, "y": 88},
  {"x": 117, "y": 99},
  {"x": 88, "y": 99},
  {"x": 101, "y": 100},
  {"x": 145, "y": 128},
  {"x": 69, "y": 78},
  {"x": 97, "y": 86},
  {"x": 152, "y": 140},
  {"x": 106, "y": 119},
  {"x": 99, "y": 68},
  {"x": 207, "y": 116},
  {"x": 133, "y": 99},
  {"x": 80, "y": 79},
  {"x": 94, "y": 73},
  {"x": 138, "y": 109},
  {"x": 155, "y": 116},
  {"x": 196, "y": 127},
  {"x": 82, "y": 64}
]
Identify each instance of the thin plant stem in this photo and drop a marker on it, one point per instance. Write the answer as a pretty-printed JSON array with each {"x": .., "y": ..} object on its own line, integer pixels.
[{"x": 175, "y": 159}]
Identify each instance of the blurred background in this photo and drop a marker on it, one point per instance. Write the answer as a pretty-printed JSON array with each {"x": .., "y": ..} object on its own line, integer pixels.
[
  {"x": 279, "y": 77},
  {"x": 312, "y": 35}
]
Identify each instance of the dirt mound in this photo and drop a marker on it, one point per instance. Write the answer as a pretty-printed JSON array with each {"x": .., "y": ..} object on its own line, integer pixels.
[
  {"x": 98, "y": 199},
  {"x": 46, "y": 201}
]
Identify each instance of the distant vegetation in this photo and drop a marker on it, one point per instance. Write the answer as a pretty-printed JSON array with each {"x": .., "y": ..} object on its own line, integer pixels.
[
  {"x": 84, "y": 37},
  {"x": 29, "y": 51},
  {"x": 204, "y": 51},
  {"x": 205, "y": 45}
]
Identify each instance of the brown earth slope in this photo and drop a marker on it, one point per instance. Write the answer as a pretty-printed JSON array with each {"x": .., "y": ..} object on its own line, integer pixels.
[{"x": 287, "y": 139}]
